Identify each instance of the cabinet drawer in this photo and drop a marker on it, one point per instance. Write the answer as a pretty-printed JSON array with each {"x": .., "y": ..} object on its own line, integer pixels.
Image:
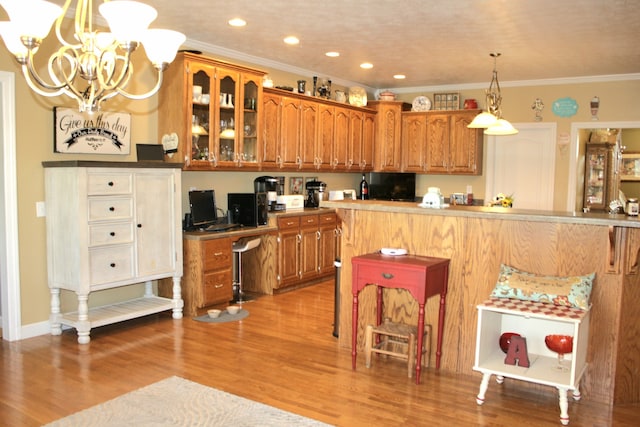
[
  {"x": 217, "y": 287},
  {"x": 309, "y": 221},
  {"x": 289, "y": 222},
  {"x": 109, "y": 234},
  {"x": 389, "y": 276},
  {"x": 109, "y": 183},
  {"x": 217, "y": 254},
  {"x": 110, "y": 264},
  {"x": 108, "y": 208},
  {"x": 327, "y": 220}
]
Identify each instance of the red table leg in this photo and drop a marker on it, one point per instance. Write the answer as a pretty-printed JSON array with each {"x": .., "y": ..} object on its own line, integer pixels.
[
  {"x": 354, "y": 331},
  {"x": 420, "y": 342},
  {"x": 443, "y": 298}
]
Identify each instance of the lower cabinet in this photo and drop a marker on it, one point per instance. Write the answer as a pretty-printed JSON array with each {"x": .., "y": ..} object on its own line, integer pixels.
[
  {"x": 306, "y": 248},
  {"x": 208, "y": 271}
]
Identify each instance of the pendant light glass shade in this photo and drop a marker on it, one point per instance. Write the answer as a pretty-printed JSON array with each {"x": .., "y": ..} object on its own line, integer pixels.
[
  {"x": 501, "y": 127},
  {"x": 483, "y": 120}
]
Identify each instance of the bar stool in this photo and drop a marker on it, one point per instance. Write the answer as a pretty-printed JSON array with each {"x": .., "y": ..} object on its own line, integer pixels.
[
  {"x": 239, "y": 247},
  {"x": 397, "y": 340}
]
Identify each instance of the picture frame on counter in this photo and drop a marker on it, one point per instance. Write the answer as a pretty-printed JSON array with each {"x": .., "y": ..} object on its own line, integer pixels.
[
  {"x": 295, "y": 185},
  {"x": 630, "y": 167},
  {"x": 446, "y": 101}
]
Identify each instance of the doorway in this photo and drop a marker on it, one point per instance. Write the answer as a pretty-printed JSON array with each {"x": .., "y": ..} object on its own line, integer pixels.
[
  {"x": 523, "y": 165},
  {"x": 9, "y": 262},
  {"x": 576, "y": 160}
]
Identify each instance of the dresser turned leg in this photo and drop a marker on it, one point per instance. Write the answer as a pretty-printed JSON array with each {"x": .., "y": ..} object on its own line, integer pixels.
[{"x": 484, "y": 384}]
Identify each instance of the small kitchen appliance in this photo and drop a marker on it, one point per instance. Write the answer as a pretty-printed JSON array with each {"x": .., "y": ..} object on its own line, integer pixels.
[
  {"x": 268, "y": 185},
  {"x": 316, "y": 191}
]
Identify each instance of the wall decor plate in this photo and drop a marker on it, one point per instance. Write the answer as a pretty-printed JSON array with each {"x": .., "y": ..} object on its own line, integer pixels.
[
  {"x": 564, "y": 107},
  {"x": 421, "y": 103}
]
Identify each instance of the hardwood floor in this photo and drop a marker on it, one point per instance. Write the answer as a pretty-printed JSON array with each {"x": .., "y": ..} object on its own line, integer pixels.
[{"x": 283, "y": 355}]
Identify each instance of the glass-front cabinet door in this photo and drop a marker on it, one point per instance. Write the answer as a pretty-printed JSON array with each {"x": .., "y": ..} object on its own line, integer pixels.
[
  {"x": 227, "y": 133},
  {"x": 201, "y": 88},
  {"x": 596, "y": 177},
  {"x": 248, "y": 148}
]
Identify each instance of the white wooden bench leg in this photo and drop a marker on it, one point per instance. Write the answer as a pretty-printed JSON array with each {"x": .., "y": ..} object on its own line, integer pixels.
[
  {"x": 564, "y": 406},
  {"x": 484, "y": 384}
]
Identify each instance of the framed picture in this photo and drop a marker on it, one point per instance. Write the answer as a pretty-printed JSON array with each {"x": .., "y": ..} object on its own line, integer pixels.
[
  {"x": 447, "y": 101},
  {"x": 295, "y": 185},
  {"x": 630, "y": 167},
  {"x": 84, "y": 133}
]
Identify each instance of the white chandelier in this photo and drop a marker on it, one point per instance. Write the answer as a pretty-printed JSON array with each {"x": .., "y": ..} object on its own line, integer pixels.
[
  {"x": 97, "y": 65},
  {"x": 491, "y": 120}
]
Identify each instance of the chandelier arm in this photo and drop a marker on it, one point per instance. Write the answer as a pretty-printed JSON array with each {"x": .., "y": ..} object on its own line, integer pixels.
[
  {"x": 108, "y": 66},
  {"x": 34, "y": 86},
  {"x": 34, "y": 77},
  {"x": 58, "y": 25},
  {"x": 144, "y": 95}
]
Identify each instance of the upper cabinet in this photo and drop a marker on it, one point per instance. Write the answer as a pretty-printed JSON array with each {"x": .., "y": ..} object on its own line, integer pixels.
[
  {"x": 305, "y": 133},
  {"x": 388, "y": 130},
  {"x": 212, "y": 107}
]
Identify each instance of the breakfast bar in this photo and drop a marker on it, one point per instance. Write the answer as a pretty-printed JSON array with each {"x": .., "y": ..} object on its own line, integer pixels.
[{"x": 477, "y": 240}]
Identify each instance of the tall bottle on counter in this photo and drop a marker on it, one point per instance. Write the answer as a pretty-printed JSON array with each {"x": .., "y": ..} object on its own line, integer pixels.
[{"x": 364, "y": 188}]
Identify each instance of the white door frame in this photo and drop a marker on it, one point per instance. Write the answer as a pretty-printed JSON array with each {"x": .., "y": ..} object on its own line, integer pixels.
[
  {"x": 575, "y": 150},
  {"x": 9, "y": 255}
]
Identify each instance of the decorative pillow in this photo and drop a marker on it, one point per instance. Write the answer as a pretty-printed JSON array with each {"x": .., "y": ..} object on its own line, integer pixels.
[{"x": 572, "y": 291}]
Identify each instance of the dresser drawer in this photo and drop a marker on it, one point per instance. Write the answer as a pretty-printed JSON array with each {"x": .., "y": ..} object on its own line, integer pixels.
[
  {"x": 288, "y": 222},
  {"x": 217, "y": 287},
  {"x": 217, "y": 254},
  {"x": 105, "y": 183},
  {"x": 327, "y": 220},
  {"x": 111, "y": 264},
  {"x": 110, "y": 234},
  {"x": 110, "y": 208}
]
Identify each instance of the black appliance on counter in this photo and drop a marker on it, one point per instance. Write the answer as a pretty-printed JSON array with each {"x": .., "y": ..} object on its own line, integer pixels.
[
  {"x": 392, "y": 186},
  {"x": 270, "y": 186},
  {"x": 248, "y": 209},
  {"x": 316, "y": 191}
]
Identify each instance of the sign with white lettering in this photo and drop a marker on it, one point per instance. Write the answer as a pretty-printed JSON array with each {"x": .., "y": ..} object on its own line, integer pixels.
[{"x": 91, "y": 133}]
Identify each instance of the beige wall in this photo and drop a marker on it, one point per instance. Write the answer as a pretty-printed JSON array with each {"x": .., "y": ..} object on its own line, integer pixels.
[{"x": 34, "y": 120}]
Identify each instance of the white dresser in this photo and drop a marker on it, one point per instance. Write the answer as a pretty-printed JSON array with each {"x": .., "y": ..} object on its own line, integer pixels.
[{"x": 112, "y": 224}]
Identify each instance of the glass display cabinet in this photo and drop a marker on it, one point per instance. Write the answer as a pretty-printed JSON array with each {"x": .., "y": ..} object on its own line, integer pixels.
[{"x": 600, "y": 176}]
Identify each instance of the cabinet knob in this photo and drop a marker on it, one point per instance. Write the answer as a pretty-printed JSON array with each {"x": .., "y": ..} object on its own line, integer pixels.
[
  {"x": 112, "y": 209},
  {"x": 112, "y": 265},
  {"x": 139, "y": 225},
  {"x": 112, "y": 234},
  {"x": 387, "y": 275},
  {"x": 110, "y": 183}
]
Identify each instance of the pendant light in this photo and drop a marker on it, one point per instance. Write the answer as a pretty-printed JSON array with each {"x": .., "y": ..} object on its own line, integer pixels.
[{"x": 491, "y": 120}]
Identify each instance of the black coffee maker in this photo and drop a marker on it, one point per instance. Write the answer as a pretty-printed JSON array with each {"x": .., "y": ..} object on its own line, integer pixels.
[
  {"x": 315, "y": 193},
  {"x": 269, "y": 185}
]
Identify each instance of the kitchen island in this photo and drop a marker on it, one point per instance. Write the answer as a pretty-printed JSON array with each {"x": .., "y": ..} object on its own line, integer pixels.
[{"x": 477, "y": 240}]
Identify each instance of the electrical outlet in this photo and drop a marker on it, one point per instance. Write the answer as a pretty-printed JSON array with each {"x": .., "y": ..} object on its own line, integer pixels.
[{"x": 41, "y": 209}]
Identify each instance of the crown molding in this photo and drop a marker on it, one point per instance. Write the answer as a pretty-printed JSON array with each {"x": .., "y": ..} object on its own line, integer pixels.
[{"x": 267, "y": 63}]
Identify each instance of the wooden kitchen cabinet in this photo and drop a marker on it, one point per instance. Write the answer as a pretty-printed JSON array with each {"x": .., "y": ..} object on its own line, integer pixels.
[
  {"x": 306, "y": 248},
  {"x": 452, "y": 147},
  {"x": 388, "y": 131},
  {"x": 305, "y": 133},
  {"x": 414, "y": 138},
  {"x": 112, "y": 224},
  {"x": 208, "y": 279},
  {"x": 221, "y": 132}
]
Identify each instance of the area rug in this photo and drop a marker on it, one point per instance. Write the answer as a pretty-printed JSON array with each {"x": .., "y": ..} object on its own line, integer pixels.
[
  {"x": 179, "y": 402},
  {"x": 224, "y": 317}
]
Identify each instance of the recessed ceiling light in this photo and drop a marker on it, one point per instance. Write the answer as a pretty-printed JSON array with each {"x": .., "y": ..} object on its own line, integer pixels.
[
  {"x": 237, "y": 22},
  {"x": 399, "y": 76},
  {"x": 366, "y": 65},
  {"x": 333, "y": 54},
  {"x": 291, "y": 40}
]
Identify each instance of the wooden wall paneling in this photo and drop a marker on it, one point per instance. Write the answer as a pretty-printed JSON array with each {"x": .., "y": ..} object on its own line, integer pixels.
[{"x": 259, "y": 266}]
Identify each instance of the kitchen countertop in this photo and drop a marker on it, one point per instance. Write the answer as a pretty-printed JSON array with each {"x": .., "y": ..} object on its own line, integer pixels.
[{"x": 590, "y": 218}]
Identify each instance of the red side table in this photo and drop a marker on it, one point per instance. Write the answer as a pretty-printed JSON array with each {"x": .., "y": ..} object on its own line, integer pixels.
[{"x": 422, "y": 276}]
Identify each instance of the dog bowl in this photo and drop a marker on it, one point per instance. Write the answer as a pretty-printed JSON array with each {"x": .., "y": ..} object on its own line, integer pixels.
[
  {"x": 213, "y": 313},
  {"x": 233, "y": 309}
]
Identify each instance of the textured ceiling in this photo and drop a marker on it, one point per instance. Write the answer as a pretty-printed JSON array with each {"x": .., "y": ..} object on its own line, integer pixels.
[{"x": 434, "y": 43}]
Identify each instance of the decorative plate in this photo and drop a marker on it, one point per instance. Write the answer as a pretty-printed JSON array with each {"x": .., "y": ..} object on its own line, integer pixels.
[
  {"x": 357, "y": 96},
  {"x": 421, "y": 103}
]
